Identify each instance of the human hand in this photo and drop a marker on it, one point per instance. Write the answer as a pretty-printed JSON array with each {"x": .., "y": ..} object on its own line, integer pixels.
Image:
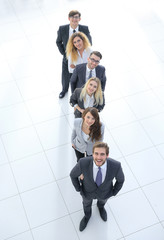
[{"x": 72, "y": 66}]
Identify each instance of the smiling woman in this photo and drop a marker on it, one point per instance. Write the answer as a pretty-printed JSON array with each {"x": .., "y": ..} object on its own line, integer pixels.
[
  {"x": 91, "y": 95},
  {"x": 77, "y": 50},
  {"x": 87, "y": 130}
]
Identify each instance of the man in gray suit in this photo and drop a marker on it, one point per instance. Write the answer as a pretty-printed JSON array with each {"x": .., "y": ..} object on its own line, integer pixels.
[
  {"x": 96, "y": 180},
  {"x": 84, "y": 71},
  {"x": 63, "y": 34}
]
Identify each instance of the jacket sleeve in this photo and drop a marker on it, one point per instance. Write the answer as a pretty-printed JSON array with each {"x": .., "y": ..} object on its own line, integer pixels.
[
  {"x": 73, "y": 133},
  {"x": 89, "y": 35},
  {"x": 103, "y": 82},
  {"x": 100, "y": 107},
  {"x": 59, "y": 42},
  {"x": 75, "y": 173},
  {"x": 102, "y": 132},
  {"x": 74, "y": 98},
  {"x": 119, "y": 180},
  {"x": 73, "y": 80}
]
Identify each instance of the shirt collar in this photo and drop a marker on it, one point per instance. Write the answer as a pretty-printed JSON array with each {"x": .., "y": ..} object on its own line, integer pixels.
[
  {"x": 76, "y": 29},
  {"x": 102, "y": 167}
]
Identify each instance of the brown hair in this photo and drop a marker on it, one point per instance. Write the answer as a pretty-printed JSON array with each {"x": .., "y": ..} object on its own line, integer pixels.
[
  {"x": 98, "y": 54},
  {"x": 101, "y": 145},
  {"x": 74, "y": 12},
  {"x": 95, "y": 129}
]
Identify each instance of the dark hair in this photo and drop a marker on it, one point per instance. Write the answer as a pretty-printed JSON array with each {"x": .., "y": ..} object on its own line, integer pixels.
[
  {"x": 98, "y": 54},
  {"x": 101, "y": 145},
  {"x": 74, "y": 12},
  {"x": 95, "y": 129}
]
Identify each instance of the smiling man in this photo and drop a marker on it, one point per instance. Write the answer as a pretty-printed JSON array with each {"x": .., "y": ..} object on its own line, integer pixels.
[
  {"x": 93, "y": 178},
  {"x": 84, "y": 71}
]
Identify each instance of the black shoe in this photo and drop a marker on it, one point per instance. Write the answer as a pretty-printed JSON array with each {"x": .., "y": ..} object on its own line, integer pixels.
[
  {"x": 83, "y": 223},
  {"x": 62, "y": 94},
  {"x": 103, "y": 213}
]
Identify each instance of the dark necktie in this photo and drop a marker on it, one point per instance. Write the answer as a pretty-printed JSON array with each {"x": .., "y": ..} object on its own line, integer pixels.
[
  {"x": 99, "y": 177},
  {"x": 74, "y": 31},
  {"x": 90, "y": 74}
]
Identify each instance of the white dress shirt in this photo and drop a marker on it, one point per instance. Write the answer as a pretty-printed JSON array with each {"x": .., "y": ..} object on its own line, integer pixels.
[
  {"x": 88, "y": 72},
  {"x": 83, "y": 59},
  {"x": 71, "y": 30},
  {"x": 89, "y": 101},
  {"x": 103, "y": 171}
]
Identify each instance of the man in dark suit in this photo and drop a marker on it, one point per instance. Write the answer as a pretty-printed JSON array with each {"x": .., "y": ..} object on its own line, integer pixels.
[
  {"x": 96, "y": 180},
  {"x": 84, "y": 71},
  {"x": 63, "y": 35}
]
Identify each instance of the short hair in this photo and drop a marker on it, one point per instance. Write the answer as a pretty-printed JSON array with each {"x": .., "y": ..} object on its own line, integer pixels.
[
  {"x": 74, "y": 12},
  {"x": 101, "y": 145},
  {"x": 98, "y": 54}
]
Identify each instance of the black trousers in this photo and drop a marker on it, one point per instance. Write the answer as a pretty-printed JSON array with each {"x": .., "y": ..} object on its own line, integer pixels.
[
  {"x": 79, "y": 155},
  {"x": 87, "y": 205},
  {"x": 65, "y": 75}
]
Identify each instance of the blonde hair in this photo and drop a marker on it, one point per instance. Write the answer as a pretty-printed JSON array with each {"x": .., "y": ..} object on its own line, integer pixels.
[
  {"x": 98, "y": 95},
  {"x": 71, "y": 50}
]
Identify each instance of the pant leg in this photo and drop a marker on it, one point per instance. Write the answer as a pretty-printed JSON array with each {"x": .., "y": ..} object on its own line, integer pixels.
[
  {"x": 79, "y": 155},
  {"x": 65, "y": 75},
  {"x": 87, "y": 207},
  {"x": 101, "y": 202}
]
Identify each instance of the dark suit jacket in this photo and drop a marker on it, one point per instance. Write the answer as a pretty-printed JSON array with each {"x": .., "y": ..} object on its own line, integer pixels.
[
  {"x": 88, "y": 187},
  {"x": 78, "y": 78},
  {"x": 75, "y": 99},
  {"x": 63, "y": 36}
]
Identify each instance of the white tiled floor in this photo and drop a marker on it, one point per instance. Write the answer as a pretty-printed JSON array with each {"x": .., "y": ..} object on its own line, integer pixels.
[{"x": 37, "y": 199}]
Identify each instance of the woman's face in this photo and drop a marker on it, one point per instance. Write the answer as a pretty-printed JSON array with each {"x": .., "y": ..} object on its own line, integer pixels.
[
  {"x": 92, "y": 87},
  {"x": 78, "y": 43},
  {"x": 89, "y": 120}
]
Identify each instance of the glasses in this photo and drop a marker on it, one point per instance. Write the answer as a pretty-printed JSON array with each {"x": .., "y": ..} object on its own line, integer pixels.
[
  {"x": 75, "y": 17},
  {"x": 93, "y": 60}
]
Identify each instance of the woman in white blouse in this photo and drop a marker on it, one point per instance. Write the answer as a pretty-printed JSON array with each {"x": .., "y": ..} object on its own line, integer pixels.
[
  {"x": 77, "y": 50},
  {"x": 91, "y": 95},
  {"x": 86, "y": 131}
]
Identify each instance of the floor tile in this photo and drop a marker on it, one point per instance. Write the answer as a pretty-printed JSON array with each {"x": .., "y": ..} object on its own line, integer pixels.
[
  {"x": 13, "y": 95},
  {"x": 155, "y": 194},
  {"x": 24, "y": 236},
  {"x": 62, "y": 159},
  {"x": 149, "y": 162},
  {"x": 151, "y": 233},
  {"x": 74, "y": 203},
  {"x": 21, "y": 143},
  {"x": 40, "y": 205},
  {"x": 54, "y": 133},
  {"x": 54, "y": 230},
  {"x": 144, "y": 104},
  {"x": 8, "y": 187},
  {"x": 32, "y": 172},
  {"x": 13, "y": 118},
  {"x": 125, "y": 209},
  {"x": 50, "y": 109},
  {"x": 12, "y": 219},
  {"x": 3, "y": 156},
  {"x": 119, "y": 114},
  {"x": 155, "y": 128},
  {"x": 131, "y": 138}
]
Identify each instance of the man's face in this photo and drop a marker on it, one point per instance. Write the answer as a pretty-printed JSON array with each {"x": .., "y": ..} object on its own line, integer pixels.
[
  {"x": 74, "y": 20},
  {"x": 99, "y": 156},
  {"x": 93, "y": 61}
]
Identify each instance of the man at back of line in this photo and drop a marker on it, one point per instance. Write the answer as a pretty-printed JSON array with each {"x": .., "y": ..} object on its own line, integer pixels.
[{"x": 63, "y": 35}]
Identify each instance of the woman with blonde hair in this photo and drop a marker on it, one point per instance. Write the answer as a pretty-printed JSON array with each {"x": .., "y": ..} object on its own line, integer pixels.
[
  {"x": 86, "y": 131},
  {"x": 91, "y": 95},
  {"x": 77, "y": 50}
]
